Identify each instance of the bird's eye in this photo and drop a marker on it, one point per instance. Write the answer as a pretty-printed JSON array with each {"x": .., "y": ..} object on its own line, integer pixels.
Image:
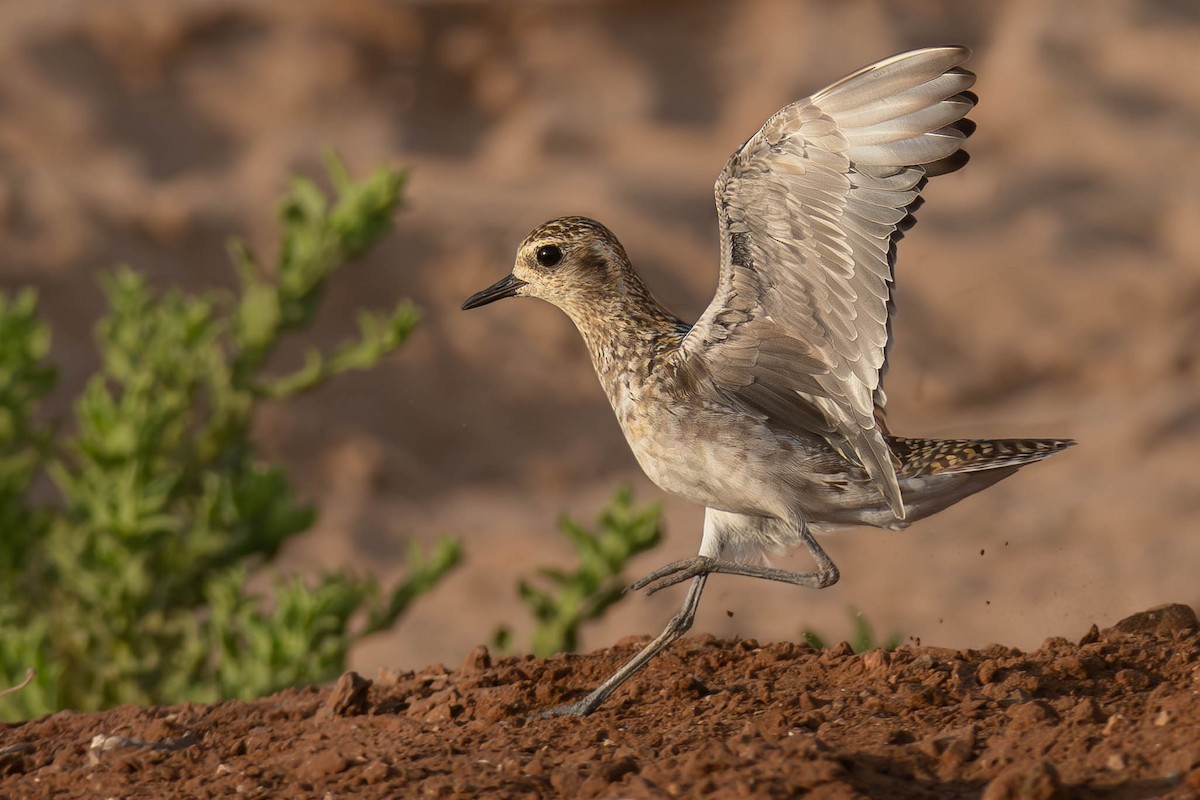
[{"x": 549, "y": 255}]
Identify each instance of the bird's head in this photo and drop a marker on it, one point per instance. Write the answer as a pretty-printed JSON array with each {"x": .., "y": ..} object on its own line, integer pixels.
[{"x": 573, "y": 262}]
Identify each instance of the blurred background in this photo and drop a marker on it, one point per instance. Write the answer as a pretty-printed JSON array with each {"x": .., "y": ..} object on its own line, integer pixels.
[{"x": 1052, "y": 288}]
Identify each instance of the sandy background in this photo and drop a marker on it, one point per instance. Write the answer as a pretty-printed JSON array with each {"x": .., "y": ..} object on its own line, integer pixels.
[{"x": 1051, "y": 289}]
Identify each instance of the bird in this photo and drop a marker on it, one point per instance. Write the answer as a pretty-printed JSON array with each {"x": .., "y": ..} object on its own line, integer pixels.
[{"x": 769, "y": 409}]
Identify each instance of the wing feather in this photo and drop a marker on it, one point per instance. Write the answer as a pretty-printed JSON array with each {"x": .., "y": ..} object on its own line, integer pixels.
[{"x": 810, "y": 209}]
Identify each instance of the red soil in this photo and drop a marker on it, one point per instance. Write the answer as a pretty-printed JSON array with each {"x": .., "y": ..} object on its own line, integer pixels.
[{"x": 1114, "y": 715}]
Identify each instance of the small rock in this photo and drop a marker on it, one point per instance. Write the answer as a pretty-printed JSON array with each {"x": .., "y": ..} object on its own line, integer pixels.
[
  {"x": 1164, "y": 621},
  {"x": 478, "y": 660},
  {"x": 1163, "y": 718},
  {"x": 1114, "y": 722},
  {"x": 961, "y": 675},
  {"x": 1086, "y": 712},
  {"x": 960, "y": 743},
  {"x": 1054, "y": 643},
  {"x": 163, "y": 730},
  {"x": 321, "y": 765},
  {"x": 348, "y": 698},
  {"x": 987, "y": 671},
  {"x": 876, "y": 660},
  {"x": 1115, "y": 762},
  {"x": 994, "y": 692},
  {"x": 441, "y": 706},
  {"x": 1091, "y": 637},
  {"x": 771, "y": 724},
  {"x": 1070, "y": 667},
  {"x": 1019, "y": 682},
  {"x": 1037, "y": 781},
  {"x": 387, "y": 677},
  {"x": 930, "y": 746},
  {"x": 952, "y": 747},
  {"x": 1132, "y": 679},
  {"x": 806, "y": 702},
  {"x": 1024, "y": 716},
  {"x": 959, "y": 749},
  {"x": 922, "y": 663},
  {"x": 375, "y": 772},
  {"x": 841, "y": 650}
]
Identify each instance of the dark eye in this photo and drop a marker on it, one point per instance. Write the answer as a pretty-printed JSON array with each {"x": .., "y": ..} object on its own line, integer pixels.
[{"x": 549, "y": 255}]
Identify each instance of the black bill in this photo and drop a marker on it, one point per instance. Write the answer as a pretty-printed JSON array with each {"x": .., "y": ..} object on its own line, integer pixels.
[{"x": 505, "y": 287}]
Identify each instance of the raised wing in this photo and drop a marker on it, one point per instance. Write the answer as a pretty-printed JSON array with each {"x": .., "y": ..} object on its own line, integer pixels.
[{"x": 811, "y": 208}]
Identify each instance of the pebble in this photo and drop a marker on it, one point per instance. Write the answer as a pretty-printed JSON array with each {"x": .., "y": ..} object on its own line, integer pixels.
[
  {"x": 477, "y": 661},
  {"x": 1031, "y": 714},
  {"x": 1030, "y": 781},
  {"x": 321, "y": 765},
  {"x": 348, "y": 698}
]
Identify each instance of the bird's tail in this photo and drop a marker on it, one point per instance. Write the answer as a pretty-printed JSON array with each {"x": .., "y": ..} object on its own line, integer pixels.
[
  {"x": 936, "y": 473},
  {"x": 917, "y": 458}
]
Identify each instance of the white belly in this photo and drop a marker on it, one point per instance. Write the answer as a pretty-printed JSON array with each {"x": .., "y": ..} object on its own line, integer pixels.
[{"x": 730, "y": 471}]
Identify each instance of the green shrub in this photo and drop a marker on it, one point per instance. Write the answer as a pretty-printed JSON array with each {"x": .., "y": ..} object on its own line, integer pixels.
[
  {"x": 130, "y": 585},
  {"x": 586, "y": 592},
  {"x": 864, "y": 635}
]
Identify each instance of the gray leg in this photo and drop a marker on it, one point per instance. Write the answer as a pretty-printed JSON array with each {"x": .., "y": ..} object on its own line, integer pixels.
[
  {"x": 678, "y": 625},
  {"x": 679, "y": 571}
]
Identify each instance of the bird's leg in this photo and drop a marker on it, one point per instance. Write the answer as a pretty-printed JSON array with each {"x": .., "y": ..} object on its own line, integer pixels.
[
  {"x": 679, "y": 624},
  {"x": 678, "y": 571}
]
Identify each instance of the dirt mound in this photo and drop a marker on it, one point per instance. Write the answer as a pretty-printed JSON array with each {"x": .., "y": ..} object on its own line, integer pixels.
[
  {"x": 1112, "y": 715},
  {"x": 1050, "y": 289}
]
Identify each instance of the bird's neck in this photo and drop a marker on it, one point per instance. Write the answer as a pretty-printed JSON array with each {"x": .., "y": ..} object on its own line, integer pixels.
[{"x": 627, "y": 332}]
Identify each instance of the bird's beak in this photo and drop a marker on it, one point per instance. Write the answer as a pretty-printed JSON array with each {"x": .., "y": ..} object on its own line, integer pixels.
[{"x": 505, "y": 287}]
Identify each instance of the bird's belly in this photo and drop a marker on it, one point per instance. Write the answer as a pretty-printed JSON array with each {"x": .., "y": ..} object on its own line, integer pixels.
[
  {"x": 730, "y": 467},
  {"x": 704, "y": 475}
]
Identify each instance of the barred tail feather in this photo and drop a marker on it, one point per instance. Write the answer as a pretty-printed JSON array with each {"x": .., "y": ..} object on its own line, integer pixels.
[{"x": 923, "y": 457}]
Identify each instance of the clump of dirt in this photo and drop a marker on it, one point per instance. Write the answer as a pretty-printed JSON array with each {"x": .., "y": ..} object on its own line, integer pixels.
[{"x": 1115, "y": 713}]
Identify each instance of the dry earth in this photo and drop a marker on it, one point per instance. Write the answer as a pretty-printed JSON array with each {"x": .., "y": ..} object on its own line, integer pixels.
[
  {"x": 1113, "y": 716},
  {"x": 1052, "y": 288}
]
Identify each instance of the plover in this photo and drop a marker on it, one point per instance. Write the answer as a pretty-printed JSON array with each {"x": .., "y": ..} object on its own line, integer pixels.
[{"x": 768, "y": 410}]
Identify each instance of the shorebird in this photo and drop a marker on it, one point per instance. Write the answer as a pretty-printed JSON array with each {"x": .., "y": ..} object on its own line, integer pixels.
[{"x": 768, "y": 410}]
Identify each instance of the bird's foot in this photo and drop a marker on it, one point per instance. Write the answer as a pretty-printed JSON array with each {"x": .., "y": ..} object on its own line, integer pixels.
[
  {"x": 673, "y": 573},
  {"x": 580, "y": 708}
]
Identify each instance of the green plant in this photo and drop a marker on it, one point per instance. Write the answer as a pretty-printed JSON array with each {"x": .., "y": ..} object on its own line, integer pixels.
[
  {"x": 586, "y": 592},
  {"x": 131, "y": 586},
  {"x": 864, "y": 635}
]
